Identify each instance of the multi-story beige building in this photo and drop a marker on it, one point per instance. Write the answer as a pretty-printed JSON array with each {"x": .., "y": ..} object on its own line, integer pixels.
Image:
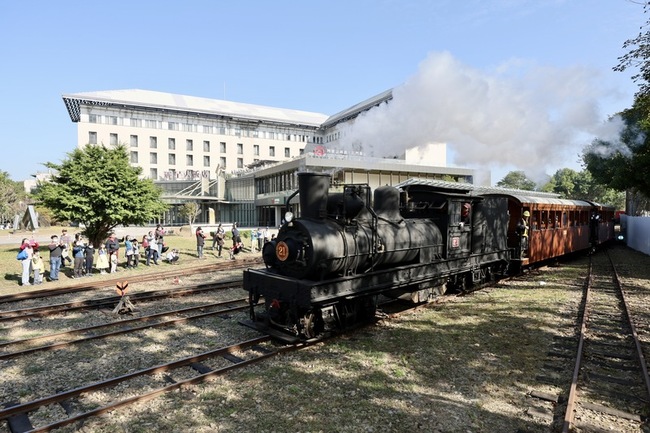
[
  {"x": 209, "y": 150},
  {"x": 176, "y": 137}
]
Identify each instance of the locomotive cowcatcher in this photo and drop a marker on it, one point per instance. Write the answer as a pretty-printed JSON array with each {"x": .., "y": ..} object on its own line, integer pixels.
[{"x": 327, "y": 268}]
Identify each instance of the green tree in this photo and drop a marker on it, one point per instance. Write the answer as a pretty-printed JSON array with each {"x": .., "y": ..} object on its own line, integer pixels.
[
  {"x": 516, "y": 180},
  {"x": 580, "y": 185},
  {"x": 622, "y": 163},
  {"x": 13, "y": 199},
  {"x": 190, "y": 210},
  {"x": 97, "y": 187},
  {"x": 638, "y": 57}
]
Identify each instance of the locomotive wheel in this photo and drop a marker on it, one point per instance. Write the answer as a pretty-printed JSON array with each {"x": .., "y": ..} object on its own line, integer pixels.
[{"x": 312, "y": 324}]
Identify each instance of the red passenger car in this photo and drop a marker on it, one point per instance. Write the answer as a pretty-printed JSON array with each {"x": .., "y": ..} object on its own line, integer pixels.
[{"x": 555, "y": 226}]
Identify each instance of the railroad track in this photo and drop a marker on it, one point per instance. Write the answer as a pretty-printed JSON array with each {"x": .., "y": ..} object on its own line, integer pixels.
[
  {"x": 72, "y": 408},
  {"x": 72, "y": 405},
  {"x": 126, "y": 326},
  {"x": 610, "y": 376},
  {"x": 609, "y": 384},
  {"x": 111, "y": 301}
]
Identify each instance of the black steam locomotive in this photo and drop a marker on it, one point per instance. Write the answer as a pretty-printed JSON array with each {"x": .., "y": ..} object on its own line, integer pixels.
[{"x": 326, "y": 269}]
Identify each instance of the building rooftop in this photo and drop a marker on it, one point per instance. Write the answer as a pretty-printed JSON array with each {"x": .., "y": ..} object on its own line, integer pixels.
[
  {"x": 355, "y": 110},
  {"x": 192, "y": 104}
]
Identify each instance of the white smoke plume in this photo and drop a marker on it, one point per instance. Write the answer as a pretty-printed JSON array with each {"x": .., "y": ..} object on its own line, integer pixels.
[{"x": 532, "y": 118}]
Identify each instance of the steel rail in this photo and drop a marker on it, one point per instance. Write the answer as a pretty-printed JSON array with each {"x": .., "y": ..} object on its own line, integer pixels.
[
  {"x": 573, "y": 391},
  {"x": 35, "y": 404},
  {"x": 155, "y": 393},
  {"x": 635, "y": 335},
  {"x": 56, "y": 346},
  {"x": 112, "y": 300},
  {"x": 118, "y": 323}
]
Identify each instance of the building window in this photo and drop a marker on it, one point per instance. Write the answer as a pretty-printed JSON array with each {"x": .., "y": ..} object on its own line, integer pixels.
[
  {"x": 153, "y": 142},
  {"x": 222, "y": 147},
  {"x": 172, "y": 126},
  {"x": 111, "y": 120},
  {"x": 92, "y": 118},
  {"x": 190, "y": 145},
  {"x": 189, "y": 160},
  {"x": 153, "y": 158},
  {"x": 271, "y": 150},
  {"x": 134, "y": 141},
  {"x": 206, "y": 161},
  {"x": 136, "y": 123},
  {"x": 287, "y": 152},
  {"x": 240, "y": 162},
  {"x": 240, "y": 149},
  {"x": 172, "y": 159},
  {"x": 92, "y": 137},
  {"x": 153, "y": 173},
  {"x": 222, "y": 162},
  {"x": 206, "y": 146},
  {"x": 171, "y": 143},
  {"x": 113, "y": 138},
  {"x": 256, "y": 149},
  {"x": 151, "y": 124},
  {"x": 134, "y": 157},
  {"x": 207, "y": 129}
]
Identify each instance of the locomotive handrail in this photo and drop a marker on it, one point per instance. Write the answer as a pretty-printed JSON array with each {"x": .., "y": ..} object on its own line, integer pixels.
[{"x": 288, "y": 199}]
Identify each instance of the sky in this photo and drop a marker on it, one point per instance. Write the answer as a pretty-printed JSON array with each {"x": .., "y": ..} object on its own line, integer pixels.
[{"x": 507, "y": 84}]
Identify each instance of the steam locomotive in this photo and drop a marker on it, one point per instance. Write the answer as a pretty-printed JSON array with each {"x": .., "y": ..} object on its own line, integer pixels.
[{"x": 326, "y": 270}]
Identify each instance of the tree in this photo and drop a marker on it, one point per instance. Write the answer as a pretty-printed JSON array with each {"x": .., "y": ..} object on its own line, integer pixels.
[
  {"x": 97, "y": 187},
  {"x": 13, "y": 199},
  {"x": 190, "y": 210},
  {"x": 516, "y": 180},
  {"x": 638, "y": 57},
  {"x": 622, "y": 163},
  {"x": 580, "y": 185}
]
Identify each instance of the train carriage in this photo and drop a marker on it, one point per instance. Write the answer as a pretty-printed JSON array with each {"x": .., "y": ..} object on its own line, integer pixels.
[{"x": 555, "y": 226}]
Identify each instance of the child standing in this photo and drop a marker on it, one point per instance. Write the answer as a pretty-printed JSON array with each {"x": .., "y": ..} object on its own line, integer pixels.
[
  {"x": 113, "y": 263},
  {"x": 102, "y": 260},
  {"x": 136, "y": 253},
  {"x": 37, "y": 266}
]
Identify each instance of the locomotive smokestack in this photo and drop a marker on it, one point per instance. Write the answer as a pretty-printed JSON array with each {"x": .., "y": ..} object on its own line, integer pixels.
[{"x": 313, "y": 189}]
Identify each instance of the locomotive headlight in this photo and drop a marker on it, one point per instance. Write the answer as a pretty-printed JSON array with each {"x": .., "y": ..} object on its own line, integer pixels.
[{"x": 288, "y": 217}]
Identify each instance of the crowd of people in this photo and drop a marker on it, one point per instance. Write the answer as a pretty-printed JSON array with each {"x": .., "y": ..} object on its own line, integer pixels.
[
  {"x": 79, "y": 255},
  {"x": 82, "y": 257},
  {"x": 258, "y": 238}
]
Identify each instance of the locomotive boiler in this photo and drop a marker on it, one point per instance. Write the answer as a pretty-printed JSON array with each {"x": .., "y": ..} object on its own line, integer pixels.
[
  {"x": 327, "y": 268},
  {"x": 341, "y": 234}
]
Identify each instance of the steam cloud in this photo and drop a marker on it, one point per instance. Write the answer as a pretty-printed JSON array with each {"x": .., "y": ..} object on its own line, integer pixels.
[{"x": 532, "y": 118}]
